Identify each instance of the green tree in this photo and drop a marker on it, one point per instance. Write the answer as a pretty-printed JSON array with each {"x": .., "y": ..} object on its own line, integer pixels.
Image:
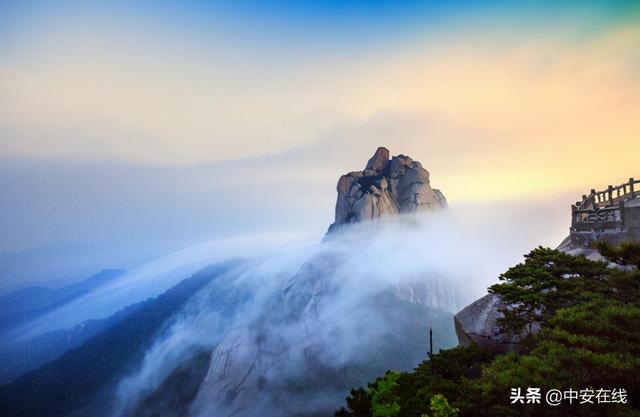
[
  {"x": 546, "y": 281},
  {"x": 628, "y": 253},
  {"x": 384, "y": 401},
  {"x": 589, "y": 313},
  {"x": 441, "y": 408},
  {"x": 358, "y": 404}
]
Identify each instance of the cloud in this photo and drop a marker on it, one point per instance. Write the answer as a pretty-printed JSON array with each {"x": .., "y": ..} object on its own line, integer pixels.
[
  {"x": 313, "y": 299},
  {"x": 152, "y": 279}
]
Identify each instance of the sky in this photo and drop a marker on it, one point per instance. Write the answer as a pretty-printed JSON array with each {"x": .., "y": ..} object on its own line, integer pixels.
[{"x": 156, "y": 125}]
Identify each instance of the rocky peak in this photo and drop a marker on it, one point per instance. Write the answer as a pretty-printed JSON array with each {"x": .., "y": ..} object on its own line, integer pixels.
[
  {"x": 379, "y": 160},
  {"x": 385, "y": 187}
]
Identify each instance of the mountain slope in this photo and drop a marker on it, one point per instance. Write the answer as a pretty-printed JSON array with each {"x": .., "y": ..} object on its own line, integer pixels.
[
  {"x": 34, "y": 298},
  {"x": 22, "y": 356},
  {"x": 71, "y": 381},
  {"x": 21, "y": 306},
  {"x": 288, "y": 362}
]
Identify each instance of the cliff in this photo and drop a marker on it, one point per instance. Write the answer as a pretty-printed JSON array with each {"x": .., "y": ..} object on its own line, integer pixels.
[{"x": 385, "y": 187}]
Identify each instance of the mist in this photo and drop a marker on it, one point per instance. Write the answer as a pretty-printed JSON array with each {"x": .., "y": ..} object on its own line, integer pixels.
[
  {"x": 316, "y": 306},
  {"x": 151, "y": 279}
]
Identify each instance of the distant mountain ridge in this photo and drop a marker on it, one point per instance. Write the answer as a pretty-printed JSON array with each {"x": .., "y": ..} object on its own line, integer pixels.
[
  {"x": 22, "y": 356},
  {"x": 71, "y": 382},
  {"x": 21, "y": 306},
  {"x": 37, "y": 297}
]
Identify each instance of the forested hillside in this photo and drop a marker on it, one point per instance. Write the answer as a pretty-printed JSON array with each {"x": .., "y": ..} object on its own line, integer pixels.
[{"x": 588, "y": 343}]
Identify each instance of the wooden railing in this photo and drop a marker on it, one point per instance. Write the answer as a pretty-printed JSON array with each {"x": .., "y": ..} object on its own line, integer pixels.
[{"x": 609, "y": 197}]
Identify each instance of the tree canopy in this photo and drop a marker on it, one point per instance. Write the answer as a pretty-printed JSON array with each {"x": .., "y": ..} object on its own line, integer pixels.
[{"x": 588, "y": 313}]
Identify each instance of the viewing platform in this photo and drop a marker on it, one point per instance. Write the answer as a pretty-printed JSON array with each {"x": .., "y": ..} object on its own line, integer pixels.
[{"x": 612, "y": 215}]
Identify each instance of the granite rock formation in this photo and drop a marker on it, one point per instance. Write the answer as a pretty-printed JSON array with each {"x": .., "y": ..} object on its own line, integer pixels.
[
  {"x": 385, "y": 187},
  {"x": 477, "y": 324},
  {"x": 294, "y": 359}
]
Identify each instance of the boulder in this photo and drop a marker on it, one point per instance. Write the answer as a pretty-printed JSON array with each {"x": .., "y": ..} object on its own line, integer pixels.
[{"x": 477, "y": 324}]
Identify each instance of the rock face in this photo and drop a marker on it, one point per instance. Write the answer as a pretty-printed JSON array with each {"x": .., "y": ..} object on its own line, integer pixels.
[
  {"x": 299, "y": 360},
  {"x": 385, "y": 187},
  {"x": 477, "y": 324}
]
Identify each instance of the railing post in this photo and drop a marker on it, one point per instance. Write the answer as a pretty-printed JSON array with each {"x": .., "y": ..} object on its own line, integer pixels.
[
  {"x": 610, "y": 191},
  {"x": 631, "y": 186}
]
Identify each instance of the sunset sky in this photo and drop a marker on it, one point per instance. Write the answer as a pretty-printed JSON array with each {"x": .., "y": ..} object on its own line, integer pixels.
[{"x": 499, "y": 101}]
